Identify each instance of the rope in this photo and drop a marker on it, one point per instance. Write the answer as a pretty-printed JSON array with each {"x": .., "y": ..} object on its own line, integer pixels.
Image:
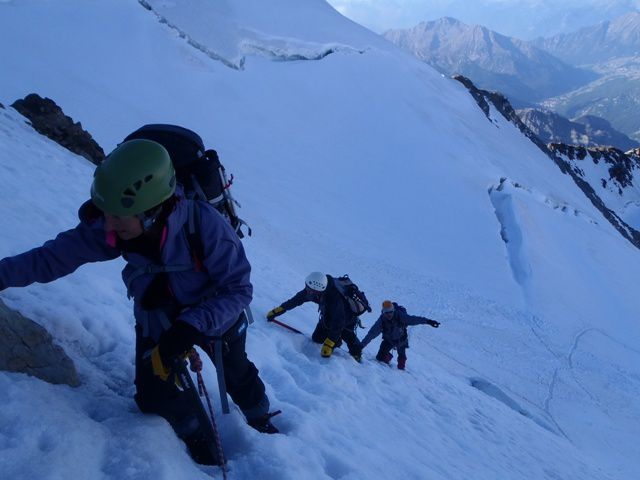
[
  {"x": 202, "y": 390},
  {"x": 196, "y": 366}
]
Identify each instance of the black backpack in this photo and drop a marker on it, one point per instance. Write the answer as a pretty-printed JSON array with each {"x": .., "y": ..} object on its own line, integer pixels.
[
  {"x": 198, "y": 170},
  {"x": 355, "y": 297}
]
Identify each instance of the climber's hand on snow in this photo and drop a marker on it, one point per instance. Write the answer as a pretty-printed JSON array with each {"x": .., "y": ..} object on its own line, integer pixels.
[{"x": 275, "y": 313}]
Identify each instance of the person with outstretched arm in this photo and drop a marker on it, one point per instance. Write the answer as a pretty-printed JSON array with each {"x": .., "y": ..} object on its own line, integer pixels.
[
  {"x": 137, "y": 212},
  {"x": 336, "y": 321},
  {"x": 392, "y": 323}
]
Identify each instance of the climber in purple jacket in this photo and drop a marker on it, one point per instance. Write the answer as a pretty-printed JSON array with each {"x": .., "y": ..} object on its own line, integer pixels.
[
  {"x": 180, "y": 300},
  {"x": 393, "y": 323}
]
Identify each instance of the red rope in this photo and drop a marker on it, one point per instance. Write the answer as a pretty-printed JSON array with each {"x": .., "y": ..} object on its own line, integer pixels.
[
  {"x": 229, "y": 183},
  {"x": 196, "y": 366}
]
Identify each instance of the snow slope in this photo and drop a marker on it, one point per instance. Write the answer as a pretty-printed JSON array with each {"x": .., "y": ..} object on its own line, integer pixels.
[{"x": 350, "y": 156}]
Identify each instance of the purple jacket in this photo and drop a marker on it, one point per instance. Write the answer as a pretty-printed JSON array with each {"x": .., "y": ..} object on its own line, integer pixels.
[
  {"x": 213, "y": 298},
  {"x": 394, "y": 329}
]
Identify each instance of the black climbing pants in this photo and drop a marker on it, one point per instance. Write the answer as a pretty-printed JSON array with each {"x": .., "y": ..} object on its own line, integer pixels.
[
  {"x": 384, "y": 352},
  {"x": 349, "y": 336},
  {"x": 163, "y": 398}
]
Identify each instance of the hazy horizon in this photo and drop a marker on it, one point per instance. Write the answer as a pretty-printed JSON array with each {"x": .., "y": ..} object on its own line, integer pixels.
[{"x": 524, "y": 19}]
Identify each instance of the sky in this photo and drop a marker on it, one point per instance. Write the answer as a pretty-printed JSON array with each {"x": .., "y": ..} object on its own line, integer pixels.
[
  {"x": 524, "y": 19},
  {"x": 362, "y": 161}
]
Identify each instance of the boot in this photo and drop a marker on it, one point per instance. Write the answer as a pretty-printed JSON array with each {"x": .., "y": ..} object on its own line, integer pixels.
[
  {"x": 385, "y": 358},
  {"x": 263, "y": 423},
  {"x": 201, "y": 449},
  {"x": 402, "y": 362},
  {"x": 356, "y": 353}
]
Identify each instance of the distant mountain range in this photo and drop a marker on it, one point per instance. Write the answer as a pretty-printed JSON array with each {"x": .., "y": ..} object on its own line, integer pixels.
[
  {"x": 615, "y": 97},
  {"x": 618, "y": 38},
  {"x": 586, "y": 131},
  {"x": 524, "y": 19},
  {"x": 593, "y": 72},
  {"x": 612, "y": 50},
  {"x": 521, "y": 71}
]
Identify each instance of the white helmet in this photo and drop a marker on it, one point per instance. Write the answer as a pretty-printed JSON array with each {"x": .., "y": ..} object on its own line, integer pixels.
[{"x": 316, "y": 281}]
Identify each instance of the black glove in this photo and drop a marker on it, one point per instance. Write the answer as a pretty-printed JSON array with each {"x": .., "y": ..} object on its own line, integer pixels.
[
  {"x": 175, "y": 342},
  {"x": 433, "y": 323},
  {"x": 178, "y": 340}
]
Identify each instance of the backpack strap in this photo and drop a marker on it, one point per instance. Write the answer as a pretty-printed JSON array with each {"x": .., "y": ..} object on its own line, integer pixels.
[
  {"x": 153, "y": 269},
  {"x": 145, "y": 322},
  {"x": 199, "y": 192},
  {"x": 222, "y": 385},
  {"x": 194, "y": 239}
]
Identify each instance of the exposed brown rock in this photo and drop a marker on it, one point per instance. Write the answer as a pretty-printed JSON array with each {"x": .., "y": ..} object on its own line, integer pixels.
[
  {"x": 27, "y": 347},
  {"x": 48, "y": 119}
]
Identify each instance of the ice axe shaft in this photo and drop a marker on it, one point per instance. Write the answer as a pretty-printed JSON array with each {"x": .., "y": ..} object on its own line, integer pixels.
[{"x": 282, "y": 324}]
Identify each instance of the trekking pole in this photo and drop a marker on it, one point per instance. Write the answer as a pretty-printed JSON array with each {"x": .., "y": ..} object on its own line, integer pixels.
[{"x": 282, "y": 324}]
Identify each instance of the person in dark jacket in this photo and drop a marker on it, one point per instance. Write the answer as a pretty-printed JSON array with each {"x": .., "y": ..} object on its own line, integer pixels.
[
  {"x": 393, "y": 323},
  {"x": 336, "y": 323},
  {"x": 136, "y": 212}
]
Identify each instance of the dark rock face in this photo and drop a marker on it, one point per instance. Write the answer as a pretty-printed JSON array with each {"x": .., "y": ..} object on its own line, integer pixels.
[
  {"x": 26, "y": 347},
  {"x": 483, "y": 98},
  {"x": 621, "y": 164},
  {"x": 48, "y": 119},
  {"x": 586, "y": 131}
]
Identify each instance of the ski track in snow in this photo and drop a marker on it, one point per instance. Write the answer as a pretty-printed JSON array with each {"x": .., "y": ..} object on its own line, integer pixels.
[{"x": 568, "y": 364}]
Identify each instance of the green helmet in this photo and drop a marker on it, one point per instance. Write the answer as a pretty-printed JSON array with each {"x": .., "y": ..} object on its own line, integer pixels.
[{"x": 137, "y": 176}]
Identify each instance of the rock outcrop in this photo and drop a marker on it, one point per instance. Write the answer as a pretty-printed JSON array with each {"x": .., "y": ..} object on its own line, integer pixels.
[
  {"x": 585, "y": 131},
  {"x": 48, "y": 119},
  {"x": 26, "y": 347}
]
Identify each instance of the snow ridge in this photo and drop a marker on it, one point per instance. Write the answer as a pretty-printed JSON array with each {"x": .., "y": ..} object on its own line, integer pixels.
[
  {"x": 502, "y": 199},
  {"x": 253, "y": 43}
]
